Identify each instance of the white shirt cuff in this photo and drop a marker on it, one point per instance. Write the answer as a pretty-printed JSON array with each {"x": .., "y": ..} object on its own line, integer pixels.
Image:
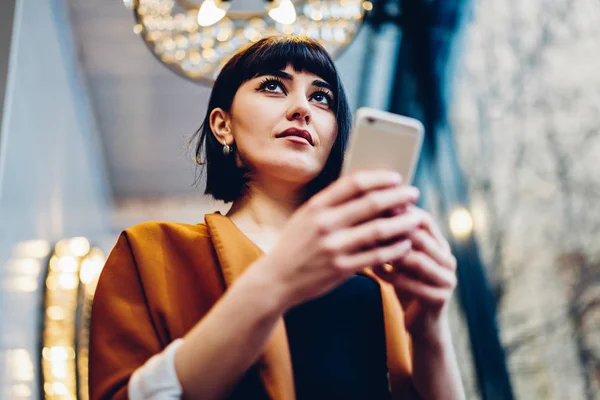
[{"x": 157, "y": 379}]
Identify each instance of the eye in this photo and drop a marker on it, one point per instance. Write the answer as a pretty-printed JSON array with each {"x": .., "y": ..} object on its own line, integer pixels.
[
  {"x": 322, "y": 97},
  {"x": 272, "y": 85}
]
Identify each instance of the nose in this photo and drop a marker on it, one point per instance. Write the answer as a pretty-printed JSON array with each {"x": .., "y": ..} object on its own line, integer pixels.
[{"x": 299, "y": 110}]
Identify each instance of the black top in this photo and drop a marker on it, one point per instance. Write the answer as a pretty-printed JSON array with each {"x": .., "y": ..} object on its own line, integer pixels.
[{"x": 337, "y": 346}]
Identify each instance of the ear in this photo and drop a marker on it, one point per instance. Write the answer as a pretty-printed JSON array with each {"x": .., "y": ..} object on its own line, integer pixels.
[{"x": 220, "y": 125}]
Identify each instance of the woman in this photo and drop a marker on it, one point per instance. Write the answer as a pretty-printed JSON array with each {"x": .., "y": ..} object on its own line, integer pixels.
[{"x": 299, "y": 290}]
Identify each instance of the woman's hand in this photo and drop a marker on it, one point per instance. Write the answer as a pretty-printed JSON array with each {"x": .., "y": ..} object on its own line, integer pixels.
[
  {"x": 424, "y": 277},
  {"x": 339, "y": 232}
]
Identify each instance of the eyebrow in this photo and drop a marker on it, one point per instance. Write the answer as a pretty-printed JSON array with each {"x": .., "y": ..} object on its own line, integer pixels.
[{"x": 285, "y": 76}]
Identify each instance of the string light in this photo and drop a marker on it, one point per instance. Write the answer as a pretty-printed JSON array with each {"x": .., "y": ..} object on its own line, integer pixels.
[
  {"x": 284, "y": 13},
  {"x": 209, "y": 14},
  {"x": 19, "y": 371},
  {"x": 74, "y": 268},
  {"x": 32, "y": 248},
  {"x": 196, "y": 41},
  {"x": 25, "y": 265},
  {"x": 461, "y": 223}
]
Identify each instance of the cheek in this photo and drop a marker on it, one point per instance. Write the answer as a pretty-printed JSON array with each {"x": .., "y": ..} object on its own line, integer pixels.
[
  {"x": 255, "y": 117},
  {"x": 331, "y": 130}
]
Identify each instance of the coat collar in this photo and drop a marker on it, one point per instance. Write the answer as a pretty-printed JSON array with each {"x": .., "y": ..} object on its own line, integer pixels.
[{"x": 235, "y": 252}]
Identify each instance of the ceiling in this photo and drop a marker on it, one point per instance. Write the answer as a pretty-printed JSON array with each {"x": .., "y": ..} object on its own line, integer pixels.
[{"x": 144, "y": 112}]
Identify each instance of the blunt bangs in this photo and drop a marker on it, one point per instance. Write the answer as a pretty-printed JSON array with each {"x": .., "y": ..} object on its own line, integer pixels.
[
  {"x": 301, "y": 54},
  {"x": 275, "y": 54}
]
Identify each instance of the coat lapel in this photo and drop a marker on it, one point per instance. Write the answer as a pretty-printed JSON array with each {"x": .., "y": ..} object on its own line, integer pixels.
[
  {"x": 236, "y": 252},
  {"x": 397, "y": 341}
]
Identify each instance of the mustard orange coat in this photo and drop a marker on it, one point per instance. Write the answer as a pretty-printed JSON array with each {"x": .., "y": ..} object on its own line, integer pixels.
[{"x": 162, "y": 278}]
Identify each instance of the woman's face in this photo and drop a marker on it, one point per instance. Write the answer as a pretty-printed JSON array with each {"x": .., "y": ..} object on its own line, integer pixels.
[{"x": 270, "y": 114}]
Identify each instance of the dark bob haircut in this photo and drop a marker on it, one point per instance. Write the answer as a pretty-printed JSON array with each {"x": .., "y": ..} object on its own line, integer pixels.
[{"x": 224, "y": 179}]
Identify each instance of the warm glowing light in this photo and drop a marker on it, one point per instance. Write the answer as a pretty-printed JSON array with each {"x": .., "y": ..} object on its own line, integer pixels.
[
  {"x": 209, "y": 14},
  {"x": 58, "y": 353},
  {"x": 137, "y": 29},
  {"x": 252, "y": 33},
  {"x": 68, "y": 281},
  {"x": 316, "y": 15},
  {"x": 21, "y": 284},
  {"x": 195, "y": 57},
  {"x": 58, "y": 389},
  {"x": 208, "y": 54},
  {"x": 59, "y": 370},
  {"x": 51, "y": 283},
  {"x": 24, "y": 266},
  {"x": 196, "y": 38},
  {"x": 62, "y": 248},
  {"x": 225, "y": 32},
  {"x": 72, "y": 264},
  {"x": 367, "y": 5},
  {"x": 79, "y": 246},
  {"x": 90, "y": 269},
  {"x": 181, "y": 42},
  {"x": 55, "y": 313},
  {"x": 169, "y": 44},
  {"x": 32, "y": 248},
  {"x": 67, "y": 264},
  {"x": 284, "y": 13},
  {"x": 21, "y": 390},
  {"x": 461, "y": 222},
  {"x": 19, "y": 365}
]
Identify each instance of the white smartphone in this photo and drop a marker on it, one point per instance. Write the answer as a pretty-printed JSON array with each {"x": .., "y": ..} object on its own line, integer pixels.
[{"x": 380, "y": 139}]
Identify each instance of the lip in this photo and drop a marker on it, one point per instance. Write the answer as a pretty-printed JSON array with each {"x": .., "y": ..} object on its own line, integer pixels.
[{"x": 302, "y": 133}]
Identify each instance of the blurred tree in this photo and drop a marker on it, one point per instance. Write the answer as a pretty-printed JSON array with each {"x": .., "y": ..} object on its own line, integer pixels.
[
  {"x": 526, "y": 115},
  {"x": 431, "y": 33}
]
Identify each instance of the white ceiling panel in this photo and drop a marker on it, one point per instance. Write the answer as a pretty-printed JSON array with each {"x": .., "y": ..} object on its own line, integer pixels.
[{"x": 145, "y": 113}]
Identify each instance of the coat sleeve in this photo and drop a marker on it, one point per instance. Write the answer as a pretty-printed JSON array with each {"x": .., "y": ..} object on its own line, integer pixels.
[{"x": 123, "y": 335}]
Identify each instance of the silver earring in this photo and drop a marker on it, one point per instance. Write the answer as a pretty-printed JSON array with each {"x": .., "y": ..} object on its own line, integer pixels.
[{"x": 226, "y": 149}]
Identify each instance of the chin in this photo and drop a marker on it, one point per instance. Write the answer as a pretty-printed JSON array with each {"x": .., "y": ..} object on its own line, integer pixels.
[
  {"x": 295, "y": 172},
  {"x": 299, "y": 175},
  {"x": 299, "y": 168}
]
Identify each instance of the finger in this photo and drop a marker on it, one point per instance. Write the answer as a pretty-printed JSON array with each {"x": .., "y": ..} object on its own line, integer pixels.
[
  {"x": 370, "y": 257},
  {"x": 372, "y": 205},
  {"x": 372, "y": 234},
  {"x": 398, "y": 210},
  {"x": 350, "y": 186},
  {"x": 419, "y": 289},
  {"x": 424, "y": 242},
  {"x": 404, "y": 207},
  {"x": 431, "y": 225},
  {"x": 424, "y": 268}
]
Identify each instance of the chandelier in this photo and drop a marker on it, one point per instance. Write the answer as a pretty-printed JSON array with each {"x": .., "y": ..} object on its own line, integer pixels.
[{"x": 196, "y": 38}]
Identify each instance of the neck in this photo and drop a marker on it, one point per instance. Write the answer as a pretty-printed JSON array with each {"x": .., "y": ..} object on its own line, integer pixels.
[{"x": 266, "y": 207}]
